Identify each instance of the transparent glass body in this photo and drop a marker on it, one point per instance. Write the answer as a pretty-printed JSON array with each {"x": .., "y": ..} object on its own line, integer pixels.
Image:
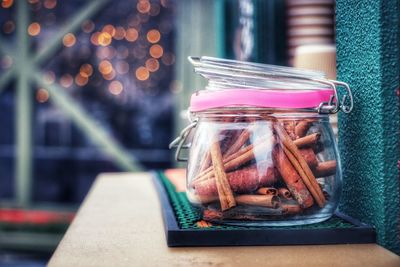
[{"x": 263, "y": 167}]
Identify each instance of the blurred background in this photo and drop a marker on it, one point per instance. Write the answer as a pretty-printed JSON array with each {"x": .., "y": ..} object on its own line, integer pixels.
[{"x": 103, "y": 86}]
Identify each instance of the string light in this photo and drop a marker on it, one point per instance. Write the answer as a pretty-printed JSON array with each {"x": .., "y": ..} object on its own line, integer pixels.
[
  {"x": 69, "y": 40},
  {"x": 154, "y": 10},
  {"x": 42, "y": 95},
  {"x": 119, "y": 33},
  {"x": 143, "y": 6},
  {"x": 66, "y": 80},
  {"x": 50, "y": 4},
  {"x": 105, "y": 67},
  {"x": 153, "y": 36},
  {"x": 34, "y": 29},
  {"x": 104, "y": 39},
  {"x": 8, "y": 27},
  {"x": 142, "y": 74},
  {"x": 122, "y": 67},
  {"x": 156, "y": 51},
  {"x": 6, "y": 62},
  {"x": 152, "y": 64},
  {"x": 131, "y": 35},
  {"x": 110, "y": 76},
  {"x": 115, "y": 87},
  {"x": 122, "y": 52},
  {"x": 94, "y": 38},
  {"x": 88, "y": 26},
  {"x": 168, "y": 59},
  {"x": 49, "y": 77},
  {"x": 109, "y": 29},
  {"x": 80, "y": 80},
  {"x": 7, "y": 3},
  {"x": 86, "y": 70}
]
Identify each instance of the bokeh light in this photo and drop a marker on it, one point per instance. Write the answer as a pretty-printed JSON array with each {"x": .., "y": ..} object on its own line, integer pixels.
[
  {"x": 104, "y": 39},
  {"x": 50, "y": 4},
  {"x": 80, "y": 80},
  {"x": 110, "y": 76},
  {"x": 7, "y": 3},
  {"x": 153, "y": 36},
  {"x": 42, "y": 95},
  {"x": 168, "y": 58},
  {"x": 94, "y": 38},
  {"x": 142, "y": 73},
  {"x": 107, "y": 52},
  {"x": 6, "y": 62},
  {"x": 109, "y": 29},
  {"x": 8, "y": 26},
  {"x": 154, "y": 10},
  {"x": 49, "y": 77},
  {"x": 139, "y": 53},
  {"x": 115, "y": 87},
  {"x": 122, "y": 52},
  {"x": 119, "y": 33},
  {"x": 152, "y": 64},
  {"x": 66, "y": 80},
  {"x": 143, "y": 6},
  {"x": 105, "y": 67},
  {"x": 122, "y": 67},
  {"x": 86, "y": 70},
  {"x": 88, "y": 26},
  {"x": 156, "y": 51},
  {"x": 69, "y": 40},
  {"x": 131, "y": 35},
  {"x": 34, "y": 29}
]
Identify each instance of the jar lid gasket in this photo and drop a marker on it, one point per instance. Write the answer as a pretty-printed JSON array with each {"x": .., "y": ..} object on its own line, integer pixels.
[{"x": 299, "y": 99}]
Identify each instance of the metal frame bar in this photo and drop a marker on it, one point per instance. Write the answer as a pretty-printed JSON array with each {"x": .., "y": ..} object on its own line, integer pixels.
[
  {"x": 88, "y": 125},
  {"x": 23, "y": 174}
]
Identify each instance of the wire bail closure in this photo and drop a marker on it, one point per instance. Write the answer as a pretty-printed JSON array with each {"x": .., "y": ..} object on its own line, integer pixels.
[
  {"x": 180, "y": 140},
  {"x": 334, "y": 105}
]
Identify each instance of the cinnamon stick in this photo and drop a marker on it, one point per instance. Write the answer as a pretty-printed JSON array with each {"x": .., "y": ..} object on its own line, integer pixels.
[
  {"x": 267, "y": 191},
  {"x": 290, "y": 127},
  {"x": 292, "y": 179},
  {"x": 242, "y": 156},
  {"x": 245, "y": 180},
  {"x": 326, "y": 168},
  {"x": 225, "y": 194},
  {"x": 300, "y": 165},
  {"x": 240, "y": 141},
  {"x": 308, "y": 140},
  {"x": 309, "y": 156},
  {"x": 206, "y": 162},
  {"x": 284, "y": 193},
  {"x": 268, "y": 201},
  {"x": 291, "y": 208},
  {"x": 302, "y": 128}
]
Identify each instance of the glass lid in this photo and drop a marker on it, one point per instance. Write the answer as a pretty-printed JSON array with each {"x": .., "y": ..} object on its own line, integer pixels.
[{"x": 230, "y": 74}]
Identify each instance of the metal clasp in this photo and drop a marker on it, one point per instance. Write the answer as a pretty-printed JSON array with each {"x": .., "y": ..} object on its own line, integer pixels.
[
  {"x": 180, "y": 140},
  {"x": 334, "y": 105}
]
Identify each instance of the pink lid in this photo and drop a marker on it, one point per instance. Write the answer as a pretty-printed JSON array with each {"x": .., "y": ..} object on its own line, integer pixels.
[{"x": 207, "y": 99}]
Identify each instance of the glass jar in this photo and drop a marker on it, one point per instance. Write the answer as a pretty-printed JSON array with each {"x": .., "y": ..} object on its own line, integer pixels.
[{"x": 262, "y": 151}]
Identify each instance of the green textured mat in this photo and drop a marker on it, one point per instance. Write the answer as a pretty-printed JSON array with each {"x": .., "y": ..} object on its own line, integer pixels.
[{"x": 187, "y": 216}]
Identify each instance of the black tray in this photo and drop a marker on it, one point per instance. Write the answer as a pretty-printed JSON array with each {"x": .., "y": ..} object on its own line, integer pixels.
[{"x": 181, "y": 228}]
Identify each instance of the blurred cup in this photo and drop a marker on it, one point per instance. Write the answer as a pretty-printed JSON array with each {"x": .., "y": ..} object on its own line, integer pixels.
[{"x": 320, "y": 57}]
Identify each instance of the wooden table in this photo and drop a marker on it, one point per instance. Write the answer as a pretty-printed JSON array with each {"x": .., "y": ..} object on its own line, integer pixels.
[{"x": 120, "y": 224}]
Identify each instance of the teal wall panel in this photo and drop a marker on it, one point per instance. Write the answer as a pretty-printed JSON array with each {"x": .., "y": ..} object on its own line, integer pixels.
[{"x": 368, "y": 59}]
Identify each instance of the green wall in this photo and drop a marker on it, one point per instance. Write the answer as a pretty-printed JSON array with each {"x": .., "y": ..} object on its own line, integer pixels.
[{"x": 368, "y": 59}]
